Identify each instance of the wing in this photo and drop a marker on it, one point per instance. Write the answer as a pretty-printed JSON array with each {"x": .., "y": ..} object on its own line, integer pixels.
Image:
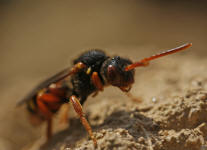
[{"x": 53, "y": 79}]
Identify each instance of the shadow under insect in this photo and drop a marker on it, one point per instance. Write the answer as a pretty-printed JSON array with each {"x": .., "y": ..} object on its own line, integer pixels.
[{"x": 133, "y": 121}]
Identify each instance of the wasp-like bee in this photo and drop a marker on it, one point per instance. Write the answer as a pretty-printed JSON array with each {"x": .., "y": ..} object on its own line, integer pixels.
[{"x": 91, "y": 72}]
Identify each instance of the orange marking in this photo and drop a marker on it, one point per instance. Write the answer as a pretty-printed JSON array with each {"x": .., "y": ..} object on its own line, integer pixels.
[
  {"x": 57, "y": 90},
  {"x": 77, "y": 67},
  {"x": 145, "y": 61},
  {"x": 96, "y": 81},
  {"x": 44, "y": 109},
  {"x": 48, "y": 98}
]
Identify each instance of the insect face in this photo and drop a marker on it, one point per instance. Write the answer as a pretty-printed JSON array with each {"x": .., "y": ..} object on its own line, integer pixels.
[{"x": 114, "y": 73}]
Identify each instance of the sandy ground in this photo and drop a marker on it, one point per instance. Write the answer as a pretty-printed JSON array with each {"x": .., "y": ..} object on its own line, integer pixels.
[
  {"x": 37, "y": 39},
  {"x": 172, "y": 114}
]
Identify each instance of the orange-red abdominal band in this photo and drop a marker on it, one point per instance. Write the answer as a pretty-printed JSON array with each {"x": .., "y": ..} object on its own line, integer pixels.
[{"x": 145, "y": 61}]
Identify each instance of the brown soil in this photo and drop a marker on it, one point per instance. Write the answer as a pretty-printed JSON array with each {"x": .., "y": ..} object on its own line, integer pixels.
[{"x": 174, "y": 118}]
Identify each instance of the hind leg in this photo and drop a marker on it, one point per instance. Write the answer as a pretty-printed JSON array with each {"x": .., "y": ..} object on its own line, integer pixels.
[{"x": 44, "y": 109}]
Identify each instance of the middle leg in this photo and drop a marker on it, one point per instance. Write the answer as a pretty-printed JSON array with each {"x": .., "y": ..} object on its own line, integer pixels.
[{"x": 78, "y": 108}]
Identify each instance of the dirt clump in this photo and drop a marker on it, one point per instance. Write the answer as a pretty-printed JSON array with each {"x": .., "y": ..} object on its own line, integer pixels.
[
  {"x": 179, "y": 123},
  {"x": 163, "y": 121}
]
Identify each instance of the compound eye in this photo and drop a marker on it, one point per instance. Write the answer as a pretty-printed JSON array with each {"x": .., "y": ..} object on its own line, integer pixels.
[{"x": 111, "y": 72}]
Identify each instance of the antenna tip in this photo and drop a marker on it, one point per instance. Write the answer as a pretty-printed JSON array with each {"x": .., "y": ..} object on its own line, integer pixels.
[{"x": 188, "y": 45}]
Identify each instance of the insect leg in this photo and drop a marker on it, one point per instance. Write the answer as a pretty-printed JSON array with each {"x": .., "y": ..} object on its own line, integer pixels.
[
  {"x": 97, "y": 81},
  {"x": 95, "y": 94},
  {"x": 47, "y": 114},
  {"x": 49, "y": 128},
  {"x": 44, "y": 109},
  {"x": 78, "y": 108}
]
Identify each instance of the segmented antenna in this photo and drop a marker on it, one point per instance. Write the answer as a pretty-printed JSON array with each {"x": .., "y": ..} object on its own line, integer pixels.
[{"x": 145, "y": 61}]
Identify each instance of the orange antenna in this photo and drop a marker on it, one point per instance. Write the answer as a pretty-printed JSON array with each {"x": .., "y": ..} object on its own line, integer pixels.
[{"x": 145, "y": 61}]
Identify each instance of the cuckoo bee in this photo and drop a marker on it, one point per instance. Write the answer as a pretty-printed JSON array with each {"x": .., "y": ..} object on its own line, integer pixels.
[{"x": 91, "y": 72}]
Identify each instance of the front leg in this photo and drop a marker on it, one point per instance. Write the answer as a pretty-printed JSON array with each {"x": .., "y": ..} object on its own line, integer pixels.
[
  {"x": 97, "y": 81},
  {"x": 78, "y": 108},
  {"x": 45, "y": 111}
]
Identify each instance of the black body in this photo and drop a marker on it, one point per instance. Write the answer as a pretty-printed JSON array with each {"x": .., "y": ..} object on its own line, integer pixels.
[
  {"x": 110, "y": 71},
  {"x": 81, "y": 81}
]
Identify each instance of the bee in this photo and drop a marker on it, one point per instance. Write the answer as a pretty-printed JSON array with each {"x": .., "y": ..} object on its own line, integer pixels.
[{"x": 91, "y": 72}]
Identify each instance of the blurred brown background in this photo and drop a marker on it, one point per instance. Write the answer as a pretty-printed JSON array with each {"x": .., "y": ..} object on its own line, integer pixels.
[{"x": 39, "y": 38}]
